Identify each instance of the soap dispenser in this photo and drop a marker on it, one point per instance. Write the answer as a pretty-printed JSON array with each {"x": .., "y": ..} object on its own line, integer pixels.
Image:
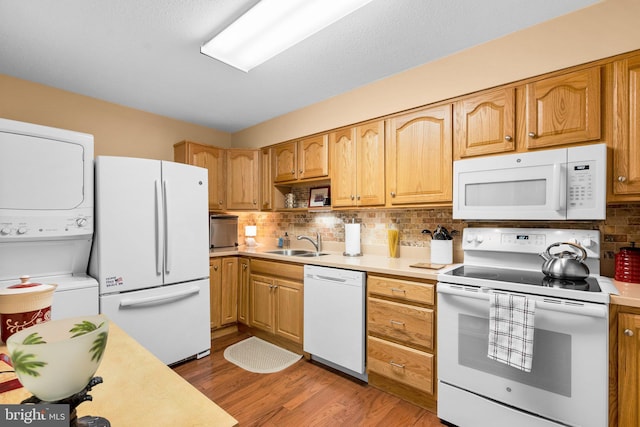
[{"x": 287, "y": 241}]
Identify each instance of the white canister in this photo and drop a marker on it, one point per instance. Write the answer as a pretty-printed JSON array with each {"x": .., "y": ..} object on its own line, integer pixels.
[{"x": 441, "y": 251}]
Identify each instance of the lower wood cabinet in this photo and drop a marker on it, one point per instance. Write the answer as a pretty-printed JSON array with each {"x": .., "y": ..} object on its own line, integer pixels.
[
  {"x": 244, "y": 272},
  {"x": 223, "y": 287},
  {"x": 624, "y": 338},
  {"x": 401, "y": 351},
  {"x": 276, "y": 299}
]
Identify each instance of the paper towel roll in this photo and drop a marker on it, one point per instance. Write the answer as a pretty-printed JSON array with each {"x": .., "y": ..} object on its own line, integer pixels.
[{"x": 352, "y": 239}]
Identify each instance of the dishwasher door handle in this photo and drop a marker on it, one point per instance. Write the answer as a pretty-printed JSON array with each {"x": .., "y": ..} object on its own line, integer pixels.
[{"x": 331, "y": 279}]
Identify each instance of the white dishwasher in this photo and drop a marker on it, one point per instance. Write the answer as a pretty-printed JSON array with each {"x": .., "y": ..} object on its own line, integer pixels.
[{"x": 334, "y": 318}]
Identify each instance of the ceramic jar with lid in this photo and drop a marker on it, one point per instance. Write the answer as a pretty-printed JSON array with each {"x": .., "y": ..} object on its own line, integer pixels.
[
  {"x": 23, "y": 305},
  {"x": 628, "y": 264}
]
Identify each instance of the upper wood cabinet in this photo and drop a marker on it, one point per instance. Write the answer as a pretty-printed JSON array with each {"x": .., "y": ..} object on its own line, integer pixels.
[
  {"x": 419, "y": 157},
  {"x": 210, "y": 158},
  {"x": 485, "y": 123},
  {"x": 243, "y": 179},
  {"x": 357, "y": 166},
  {"x": 266, "y": 180},
  {"x": 626, "y": 129},
  {"x": 301, "y": 160},
  {"x": 564, "y": 109}
]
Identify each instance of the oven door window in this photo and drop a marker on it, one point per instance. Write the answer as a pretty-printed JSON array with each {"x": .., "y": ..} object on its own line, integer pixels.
[
  {"x": 551, "y": 370},
  {"x": 29, "y": 158}
]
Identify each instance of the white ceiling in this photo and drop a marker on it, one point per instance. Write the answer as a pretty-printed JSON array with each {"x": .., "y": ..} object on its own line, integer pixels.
[{"x": 145, "y": 54}]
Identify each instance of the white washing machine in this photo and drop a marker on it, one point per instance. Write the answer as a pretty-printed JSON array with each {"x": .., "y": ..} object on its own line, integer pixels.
[{"x": 46, "y": 213}]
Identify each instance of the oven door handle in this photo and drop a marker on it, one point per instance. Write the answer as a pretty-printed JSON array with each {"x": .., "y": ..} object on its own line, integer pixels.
[{"x": 543, "y": 304}]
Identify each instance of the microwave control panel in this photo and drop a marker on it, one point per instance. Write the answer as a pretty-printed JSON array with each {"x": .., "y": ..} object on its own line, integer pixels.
[
  {"x": 581, "y": 180},
  {"x": 587, "y": 182}
]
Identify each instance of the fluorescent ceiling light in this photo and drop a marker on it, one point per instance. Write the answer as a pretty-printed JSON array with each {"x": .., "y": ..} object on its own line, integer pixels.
[{"x": 273, "y": 26}]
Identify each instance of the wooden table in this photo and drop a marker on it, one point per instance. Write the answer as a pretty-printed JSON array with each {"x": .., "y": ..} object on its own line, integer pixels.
[{"x": 139, "y": 389}]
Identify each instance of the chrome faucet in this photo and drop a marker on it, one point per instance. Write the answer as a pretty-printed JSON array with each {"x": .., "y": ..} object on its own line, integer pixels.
[{"x": 317, "y": 244}]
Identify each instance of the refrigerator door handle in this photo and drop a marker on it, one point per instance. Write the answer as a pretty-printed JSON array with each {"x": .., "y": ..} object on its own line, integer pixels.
[
  {"x": 158, "y": 225},
  {"x": 167, "y": 246},
  {"x": 130, "y": 302}
]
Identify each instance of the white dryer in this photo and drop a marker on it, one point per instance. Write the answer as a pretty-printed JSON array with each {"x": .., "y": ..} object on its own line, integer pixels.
[{"x": 46, "y": 212}]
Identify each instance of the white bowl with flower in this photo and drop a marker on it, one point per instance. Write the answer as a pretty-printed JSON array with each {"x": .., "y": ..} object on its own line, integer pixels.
[{"x": 56, "y": 359}]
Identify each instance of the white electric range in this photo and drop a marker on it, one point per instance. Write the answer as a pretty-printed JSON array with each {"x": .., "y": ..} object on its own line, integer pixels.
[{"x": 568, "y": 382}]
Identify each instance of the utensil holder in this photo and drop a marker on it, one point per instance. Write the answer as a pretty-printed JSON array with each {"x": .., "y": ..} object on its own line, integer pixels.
[{"x": 441, "y": 251}]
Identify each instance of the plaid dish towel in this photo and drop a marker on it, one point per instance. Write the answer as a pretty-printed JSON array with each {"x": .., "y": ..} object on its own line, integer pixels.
[{"x": 511, "y": 320}]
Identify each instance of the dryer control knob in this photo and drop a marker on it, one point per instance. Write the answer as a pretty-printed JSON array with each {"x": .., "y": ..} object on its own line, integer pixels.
[
  {"x": 5, "y": 231},
  {"x": 81, "y": 222},
  {"x": 22, "y": 230}
]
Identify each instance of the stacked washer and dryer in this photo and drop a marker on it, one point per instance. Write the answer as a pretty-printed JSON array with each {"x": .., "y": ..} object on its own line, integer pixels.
[{"x": 46, "y": 213}]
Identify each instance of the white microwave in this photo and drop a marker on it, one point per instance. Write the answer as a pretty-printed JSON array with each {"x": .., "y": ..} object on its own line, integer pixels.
[{"x": 563, "y": 184}]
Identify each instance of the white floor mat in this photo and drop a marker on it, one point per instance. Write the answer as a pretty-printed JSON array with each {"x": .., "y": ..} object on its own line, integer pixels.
[{"x": 256, "y": 355}]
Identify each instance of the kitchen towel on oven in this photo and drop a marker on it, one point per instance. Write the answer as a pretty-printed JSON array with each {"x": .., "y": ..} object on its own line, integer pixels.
[{"x": 511, "y": 319}]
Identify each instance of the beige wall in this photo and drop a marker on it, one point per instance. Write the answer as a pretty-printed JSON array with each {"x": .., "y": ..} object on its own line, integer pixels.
[
  {"x": 117, "y": 130},
  {"x": 605, "y": 29}
]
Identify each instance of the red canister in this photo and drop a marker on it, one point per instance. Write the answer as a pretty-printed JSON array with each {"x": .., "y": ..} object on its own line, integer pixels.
[
  {"x": 24, "y": 304},
  {"x": 628, "y": 264}
]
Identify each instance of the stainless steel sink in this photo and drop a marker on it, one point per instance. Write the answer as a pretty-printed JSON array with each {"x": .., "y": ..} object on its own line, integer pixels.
[
  {"x": 290, "y": 252},
  {"x": 296, "y": 252}
]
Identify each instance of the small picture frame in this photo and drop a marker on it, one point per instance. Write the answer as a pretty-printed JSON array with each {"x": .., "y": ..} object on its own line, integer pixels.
[{"x": 319, "y": 197}]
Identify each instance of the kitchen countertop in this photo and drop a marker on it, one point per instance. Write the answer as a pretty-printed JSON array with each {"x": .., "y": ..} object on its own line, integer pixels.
[
  {"x": 138, "y": 389},
  {"x": 380, "y": 264},
  {"x": 629, "y": 292}
]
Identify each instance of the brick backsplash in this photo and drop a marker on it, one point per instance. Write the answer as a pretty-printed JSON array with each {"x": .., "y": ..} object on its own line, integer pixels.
[{"x": 621, "y": 227}]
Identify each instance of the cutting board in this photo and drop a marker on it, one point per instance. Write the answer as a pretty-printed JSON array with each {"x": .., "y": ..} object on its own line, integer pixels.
[{"x": 428, "y": 266}]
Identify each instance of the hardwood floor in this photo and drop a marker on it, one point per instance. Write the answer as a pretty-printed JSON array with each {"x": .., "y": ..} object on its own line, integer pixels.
[{"x": 305, "y": 394}]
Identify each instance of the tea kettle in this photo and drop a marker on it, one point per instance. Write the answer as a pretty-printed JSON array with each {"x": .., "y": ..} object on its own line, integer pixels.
[{"x": 566, "y": 264}]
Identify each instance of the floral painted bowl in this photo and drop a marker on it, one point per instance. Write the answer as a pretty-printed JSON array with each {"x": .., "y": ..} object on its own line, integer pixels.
[{"x": 56, "y": 359}]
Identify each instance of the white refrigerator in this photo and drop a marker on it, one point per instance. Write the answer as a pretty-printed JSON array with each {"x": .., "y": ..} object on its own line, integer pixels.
[{"x": 151, "y": 253}]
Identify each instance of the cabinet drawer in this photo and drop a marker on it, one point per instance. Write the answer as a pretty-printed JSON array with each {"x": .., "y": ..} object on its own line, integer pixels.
[
  {"x": 401, "y": 322},
  {"x": 279, "y": 269},
  {"x": 401, "y": 289},
  {"x": 405, "y": 365}
]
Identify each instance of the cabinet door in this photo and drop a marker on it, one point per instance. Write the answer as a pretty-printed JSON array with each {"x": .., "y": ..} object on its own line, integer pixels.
[
  {"x": 261, "y": 302},
  {"x": 626, "y": 128},
  {"x": 210, "y": 158},
  {"x": 628, "y": 369},
  {"x": 313, "y": 157},
  {"x": 342, "y": 145},
  {"x": 242, "y": 179},
  {"x": 285, "y": 162},
  {"x": 289, "y": 306},
  {"x": 370, "y": 164},
  {"x": 563, "y": 109},
  {"x": 485, "y": 123},
  {"x": 419, "y": 157},
  {"x": 244, "y": 272},
  {"x": 229, "y": 291},
  {"x": 266, "y": 180},
  {"x": 215, "y": 288}
]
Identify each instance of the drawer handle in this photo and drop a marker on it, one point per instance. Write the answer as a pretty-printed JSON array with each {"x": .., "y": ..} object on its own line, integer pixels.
[
  {"x": 396, "y": 365},
  {"x": 396, "y": 322},
  {"x": 398, "y": 290}
]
